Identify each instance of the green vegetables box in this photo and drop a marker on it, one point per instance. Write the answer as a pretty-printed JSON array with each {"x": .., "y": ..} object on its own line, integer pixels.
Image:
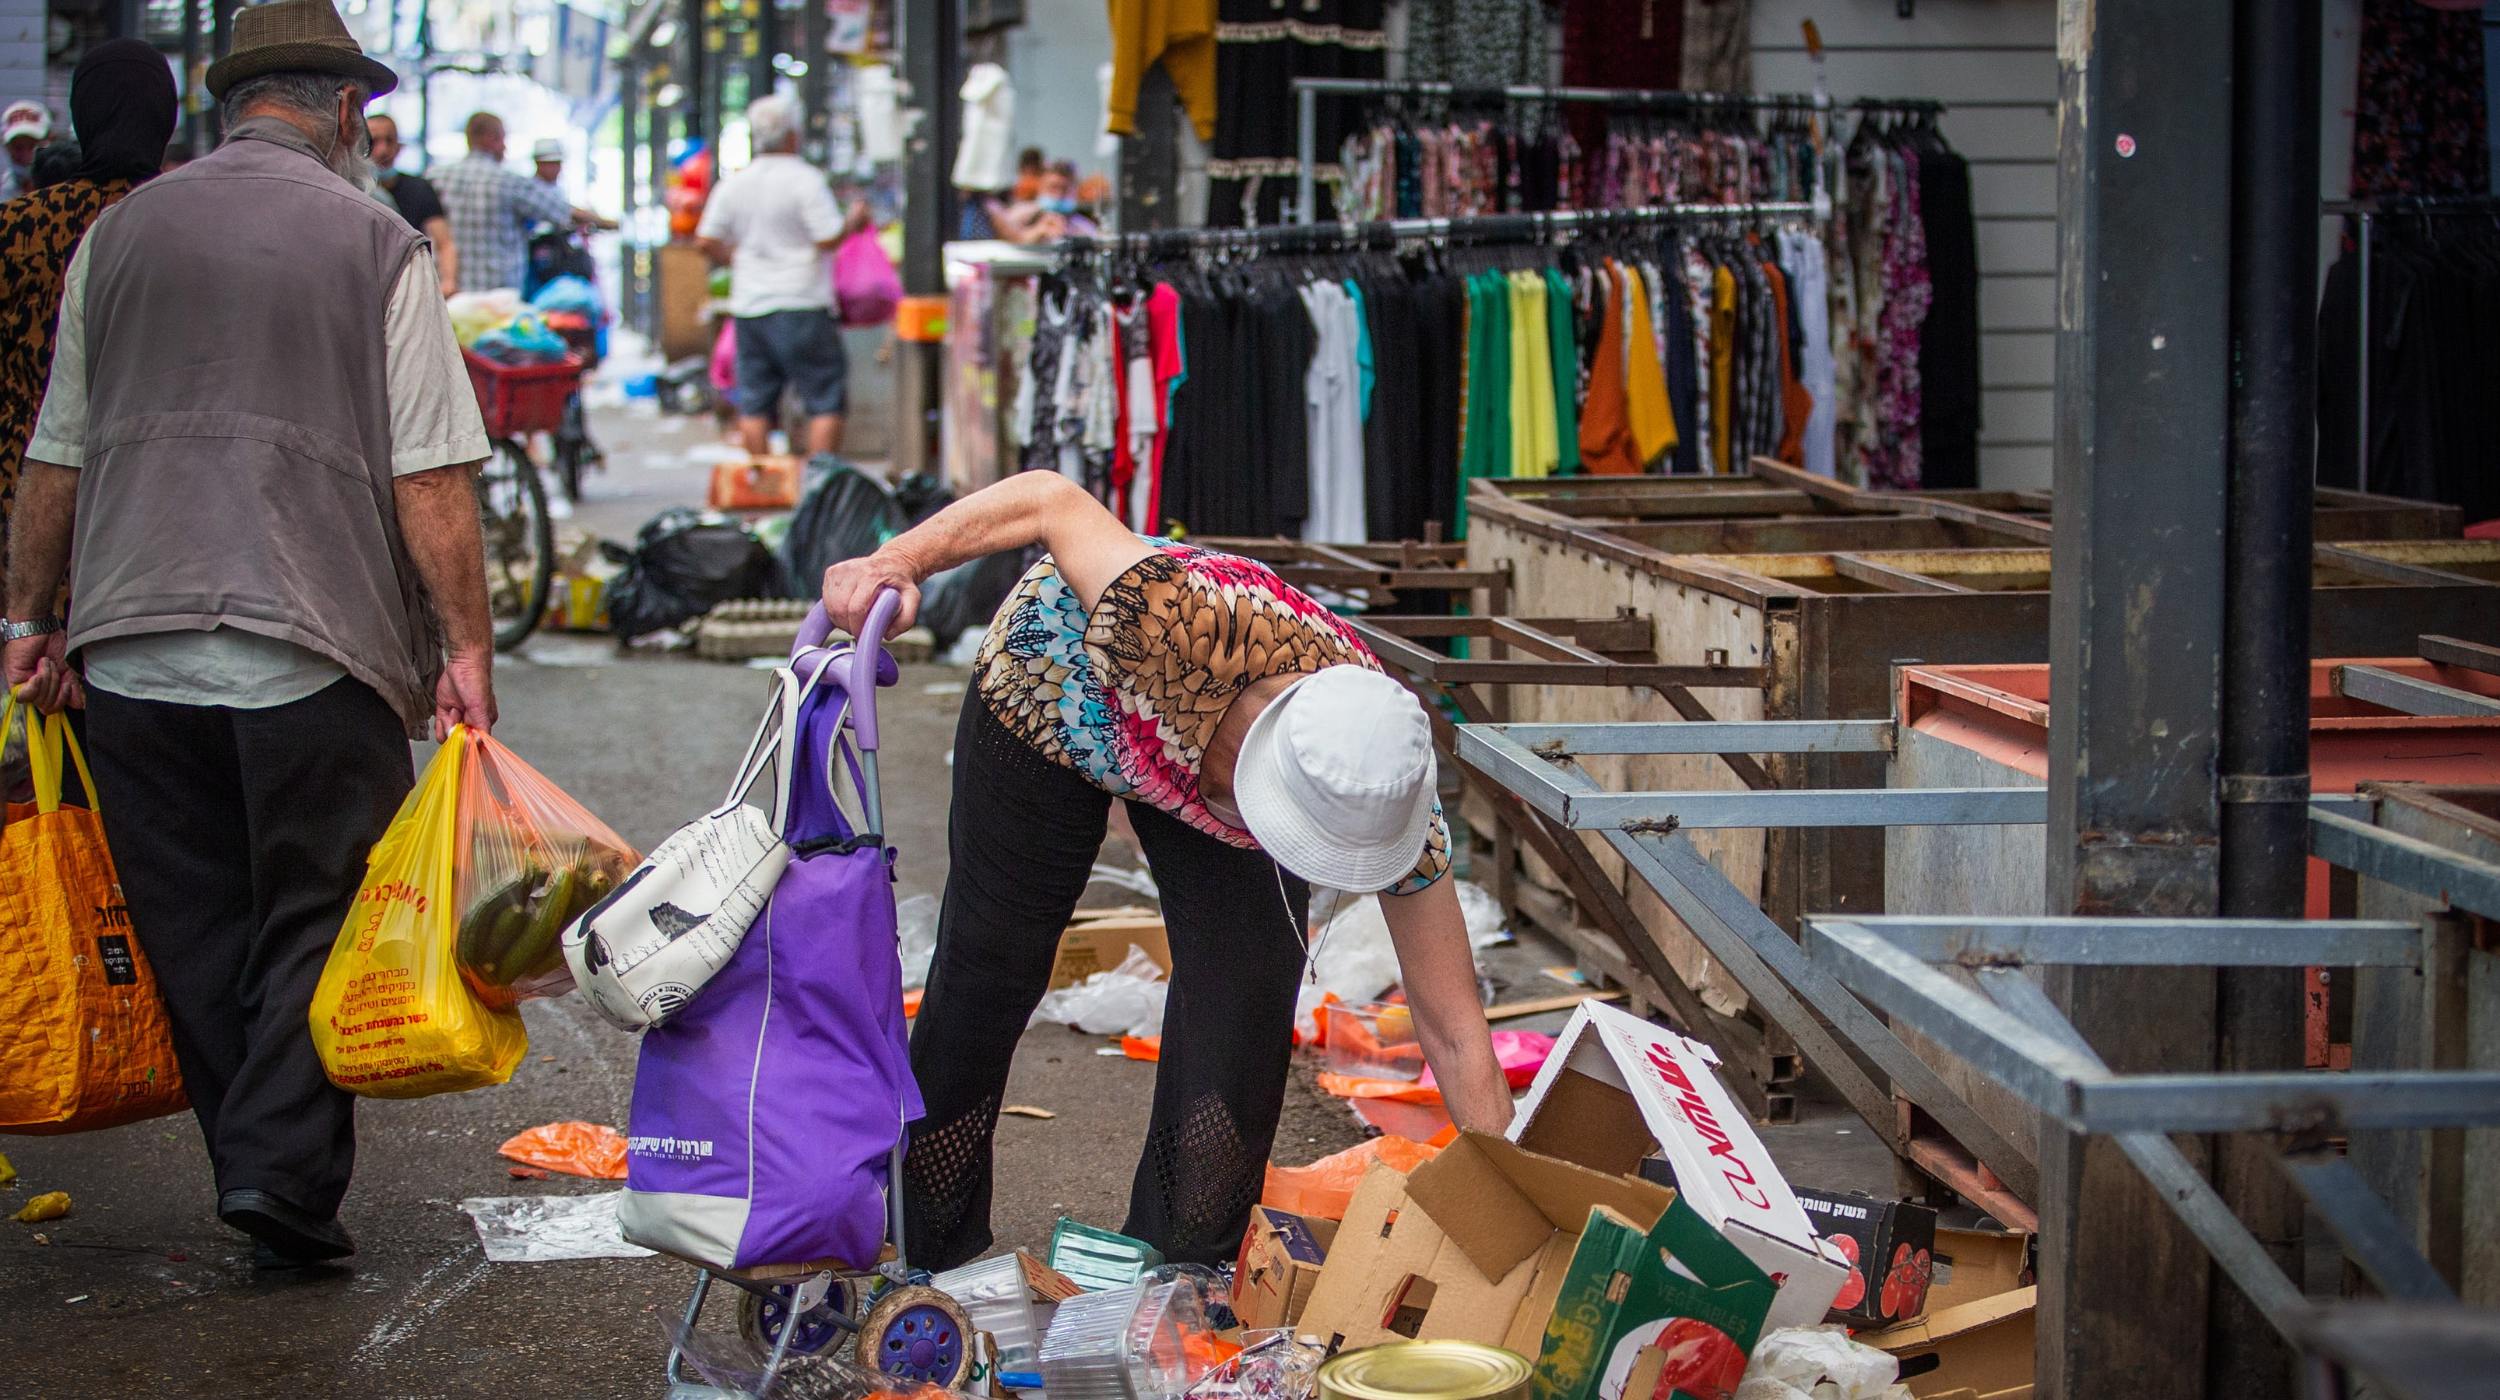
[{"x": 1673, "y": 1311}]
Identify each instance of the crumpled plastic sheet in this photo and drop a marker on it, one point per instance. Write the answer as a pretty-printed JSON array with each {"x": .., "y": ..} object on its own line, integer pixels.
[
  {"x": 916, "y": 921},
  {"x": 1126, "y": 1001},
  {"x": 1273, "y": 1365},
  {"x": 594, "y": 1150},
  {"x": 1323, "y": 1189},
  {"x": 537, "y": 1229},
  {"x": 1138, "y": 881},
  {"x": 1354, "y": 960},
  {"x": 1819, "y": 1363}
]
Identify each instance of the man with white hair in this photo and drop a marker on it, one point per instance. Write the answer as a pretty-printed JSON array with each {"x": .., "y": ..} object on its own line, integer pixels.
[{"x": 773, "y": 223}]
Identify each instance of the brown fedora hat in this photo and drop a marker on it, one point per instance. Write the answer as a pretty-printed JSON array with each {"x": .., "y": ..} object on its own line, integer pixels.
[{"x": 295, "y": 36}]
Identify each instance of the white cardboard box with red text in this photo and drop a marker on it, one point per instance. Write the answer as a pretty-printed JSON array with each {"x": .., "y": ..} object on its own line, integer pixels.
[{"x": 1616, "y": 1088}]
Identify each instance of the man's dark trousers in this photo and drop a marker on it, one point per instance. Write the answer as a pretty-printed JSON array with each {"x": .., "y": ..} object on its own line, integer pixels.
[{"x": 240, "y": 837}]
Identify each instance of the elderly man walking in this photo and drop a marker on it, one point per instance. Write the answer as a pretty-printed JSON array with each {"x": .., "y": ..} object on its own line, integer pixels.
[
  {"x": 493, "y": 208},
  {"x": 773, "y": 223},
  {"x": 260, "y": 439}
]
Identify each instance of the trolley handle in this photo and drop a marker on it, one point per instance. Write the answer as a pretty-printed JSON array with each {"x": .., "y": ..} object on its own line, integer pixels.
[{"x": 867, "y": 658}]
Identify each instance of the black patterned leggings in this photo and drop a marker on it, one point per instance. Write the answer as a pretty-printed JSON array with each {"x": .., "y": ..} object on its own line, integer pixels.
[{"x": 1023, "y": 835}]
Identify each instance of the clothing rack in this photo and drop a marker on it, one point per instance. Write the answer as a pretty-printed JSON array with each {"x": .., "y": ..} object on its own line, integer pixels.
[
  {"x": 2365, "y": 213},
  {"x": 1308, "y": 91},
  {"x": 1386, "y": 233}
]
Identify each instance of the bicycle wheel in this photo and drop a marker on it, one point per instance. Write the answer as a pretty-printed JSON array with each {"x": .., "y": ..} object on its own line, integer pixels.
[
  {"x": 520, "y": 542},
  {"x": 574, "y": 451}
]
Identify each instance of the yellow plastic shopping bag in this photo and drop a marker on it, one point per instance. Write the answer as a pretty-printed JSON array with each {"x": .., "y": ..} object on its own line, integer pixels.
[
  {"x": 391, "y": 1017},
  {"x": 84, "y": 1042},
  {"x": 456, "y": 923}
]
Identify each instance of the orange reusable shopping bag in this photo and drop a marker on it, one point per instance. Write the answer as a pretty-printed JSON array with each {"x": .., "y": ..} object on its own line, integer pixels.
[{"x": 83, "y": 1038}]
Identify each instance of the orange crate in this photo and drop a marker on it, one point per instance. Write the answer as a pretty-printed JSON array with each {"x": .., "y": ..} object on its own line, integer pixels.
[{"x": 517, "y": 399}]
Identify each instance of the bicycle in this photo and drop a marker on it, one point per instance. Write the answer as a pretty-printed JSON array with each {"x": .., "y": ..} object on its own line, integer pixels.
[{"x": 519, "y": 534}]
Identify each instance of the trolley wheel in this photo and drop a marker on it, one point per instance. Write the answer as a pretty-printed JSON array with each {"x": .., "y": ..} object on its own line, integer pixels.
[
  {"x": 917, "y": 1334},
  {"x": 820, "y": 1328}
]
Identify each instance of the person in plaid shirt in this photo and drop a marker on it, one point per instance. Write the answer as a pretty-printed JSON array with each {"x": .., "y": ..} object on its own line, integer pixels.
[{"x": 492, "y": 208}]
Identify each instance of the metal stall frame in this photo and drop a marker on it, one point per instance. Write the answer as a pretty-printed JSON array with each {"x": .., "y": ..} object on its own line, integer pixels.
[
  {"x": 1855, "y": 1051},
  {"x": 1599, "y": 652},
  {"x": 2006, "y": 1026},
  {"x": 1830, "y": 634},
  {"x": 1828, "y": 989}
]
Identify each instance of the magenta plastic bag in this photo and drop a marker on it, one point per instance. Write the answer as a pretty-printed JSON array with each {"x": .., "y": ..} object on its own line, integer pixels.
[
  {"x": 725, "y": 358},
  {"x": 865, "y": 283}
]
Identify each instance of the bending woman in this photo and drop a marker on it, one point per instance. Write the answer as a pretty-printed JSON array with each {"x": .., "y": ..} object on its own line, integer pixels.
[{"x": 1260, "y": 750}]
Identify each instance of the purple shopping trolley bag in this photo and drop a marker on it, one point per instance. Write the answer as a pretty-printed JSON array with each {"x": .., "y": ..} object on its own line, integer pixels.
[{"x": 764, "y": 1112}]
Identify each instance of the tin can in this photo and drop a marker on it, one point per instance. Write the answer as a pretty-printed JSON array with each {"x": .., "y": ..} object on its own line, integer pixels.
[{"x": 1426, "y": 1371}]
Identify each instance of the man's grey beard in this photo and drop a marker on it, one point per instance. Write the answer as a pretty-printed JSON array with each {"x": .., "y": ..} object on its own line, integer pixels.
[{"x": 350, "y": 164}]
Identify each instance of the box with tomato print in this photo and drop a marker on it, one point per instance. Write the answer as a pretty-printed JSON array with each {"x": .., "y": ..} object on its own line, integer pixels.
[
  {"x": 1668, "y": 1313},
  {"x": 1892, "y": 1254}
]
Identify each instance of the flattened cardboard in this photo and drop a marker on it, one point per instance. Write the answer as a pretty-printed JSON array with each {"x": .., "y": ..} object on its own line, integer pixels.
[
  {"x": 1976, "y": 1264},
  {"x": 1281, "y": 1257},
  {"x": 1892, "y": 1251},
  {"x": 1636, "y": 1303},
  {"x": 1979, "y": 1350},
  {"x": 1473, "y": 1247},
  {"x": 1617, "y": 1088}
]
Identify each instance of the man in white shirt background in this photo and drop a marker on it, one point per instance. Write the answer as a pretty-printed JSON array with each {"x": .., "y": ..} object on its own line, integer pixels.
[{"x": 773, "y": 223}]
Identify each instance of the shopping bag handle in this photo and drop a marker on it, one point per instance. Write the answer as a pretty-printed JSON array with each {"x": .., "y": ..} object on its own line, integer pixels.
[
  {"x": 866, "y": 662},
  {"x": 46, "y": 737}
]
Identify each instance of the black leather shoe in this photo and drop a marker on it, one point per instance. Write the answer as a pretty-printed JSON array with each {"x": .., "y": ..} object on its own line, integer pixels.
[
  {"x": 290, "y": 1234},
  {"x": 269, "y": 1261}
]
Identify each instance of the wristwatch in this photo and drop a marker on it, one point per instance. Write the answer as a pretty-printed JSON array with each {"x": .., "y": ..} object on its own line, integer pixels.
[{"x": 20, "y": 631}]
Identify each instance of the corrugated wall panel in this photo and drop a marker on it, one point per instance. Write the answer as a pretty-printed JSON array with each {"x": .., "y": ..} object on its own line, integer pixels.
[{"x": 1995, "y": 63}]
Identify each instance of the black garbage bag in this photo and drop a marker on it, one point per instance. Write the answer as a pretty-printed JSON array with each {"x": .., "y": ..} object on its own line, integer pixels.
[
  {"x": 919, "y": 496},
  {"x": 844, "y": 513},
  {"x": 683, "y": 564},
  {"x": 964, "y": 598}
]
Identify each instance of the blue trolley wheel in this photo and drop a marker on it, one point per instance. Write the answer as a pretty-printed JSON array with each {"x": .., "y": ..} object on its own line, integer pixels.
[
  {"x": 918, "y": 1334},
  {"x": 820, "y": 1329}
]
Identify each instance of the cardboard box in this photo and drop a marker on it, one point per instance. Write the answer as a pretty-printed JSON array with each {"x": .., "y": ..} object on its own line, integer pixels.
[
  {"x": 1618, "y": 1089},
  {"x": 1976, "y": 1264},
  {"x": 1281, "y": 1255},
  {"x": 1474, "y": 1246},
  {"x": 1668, "y": 1312},
  {"x": 766, "y": 483},
  {"x": 1100, "y": 943},
  {"x": 1891, "y": 1247},
  {"x": 1973, "y": 1351}
]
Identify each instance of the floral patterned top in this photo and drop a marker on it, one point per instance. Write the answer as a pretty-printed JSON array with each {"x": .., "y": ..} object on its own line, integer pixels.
[{"x": 1131, "y": 694}]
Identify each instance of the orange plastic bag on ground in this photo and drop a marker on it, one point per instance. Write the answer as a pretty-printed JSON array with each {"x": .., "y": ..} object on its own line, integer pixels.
[
  {"x": 1325, "y": 1188},
  {"x": 594, "y": 1150},
  {"x": 457, "y": 921},
  {"x": 84, "y": 1042}
]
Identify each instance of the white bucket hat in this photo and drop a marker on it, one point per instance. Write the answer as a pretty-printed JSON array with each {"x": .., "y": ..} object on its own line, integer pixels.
[{"x": 1335, "y": 779}]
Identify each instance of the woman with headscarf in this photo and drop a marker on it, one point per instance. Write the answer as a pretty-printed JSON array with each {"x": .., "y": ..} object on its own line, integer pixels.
[{"x": 121, "y": 102}]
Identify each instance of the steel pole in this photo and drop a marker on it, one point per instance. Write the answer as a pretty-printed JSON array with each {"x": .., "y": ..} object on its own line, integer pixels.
[
  {"x": 932, "y": 43},
  {"x": 761, "y": 73},
  {"x": 2136, "y": 645},
  {"x": 695, "y": 80},
  {"x": 2265, "y": 674}
]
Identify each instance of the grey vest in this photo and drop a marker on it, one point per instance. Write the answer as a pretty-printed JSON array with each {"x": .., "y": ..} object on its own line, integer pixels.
[{"x": 238, "y": 468}]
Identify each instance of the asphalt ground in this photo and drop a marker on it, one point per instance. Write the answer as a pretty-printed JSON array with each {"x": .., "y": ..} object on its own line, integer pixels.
[{"x": 140, "y": 1292}]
